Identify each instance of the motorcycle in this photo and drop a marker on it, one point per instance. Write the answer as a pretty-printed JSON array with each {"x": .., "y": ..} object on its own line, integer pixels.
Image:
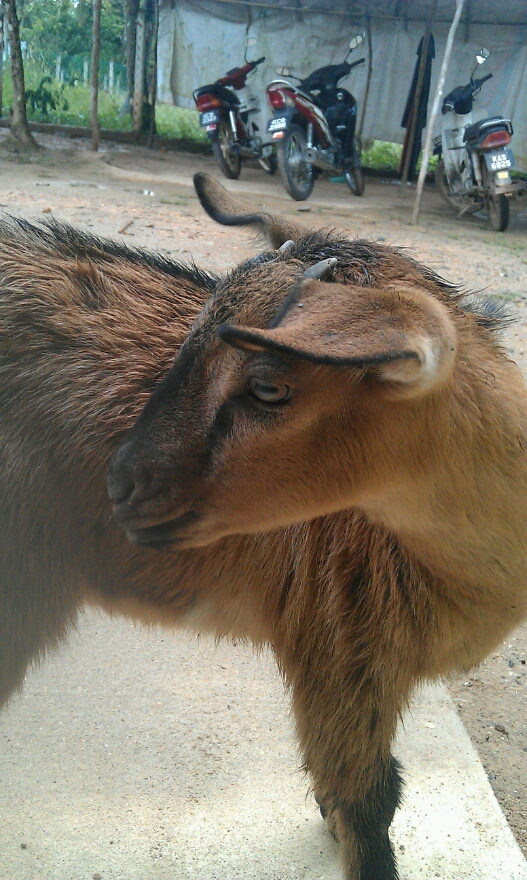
[
  {"x": 314, "y": 127},
  {"x": 476, "y": 160},
  {"x": 231, "y": 115}
]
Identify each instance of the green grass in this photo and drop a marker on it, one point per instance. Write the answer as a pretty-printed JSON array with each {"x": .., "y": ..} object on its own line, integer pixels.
[
  {"x": 74, "y": 108},
  {"x": 382, "y": 156},
  {"x": 385, "y": 156}
]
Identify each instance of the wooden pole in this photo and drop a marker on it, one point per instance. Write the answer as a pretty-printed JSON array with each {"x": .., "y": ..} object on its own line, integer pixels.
[
  {"x": 94, "y": 106},
  {"x": 433, "y": 114},
  {"x": 368, "y": 78},
  {"x": 414, "y": 113}
]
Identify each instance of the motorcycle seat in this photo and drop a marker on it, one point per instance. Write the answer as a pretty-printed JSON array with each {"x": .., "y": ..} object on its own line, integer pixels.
[
  {"x": 220, "y": 91},
  {"x": 492, "y": 123}
]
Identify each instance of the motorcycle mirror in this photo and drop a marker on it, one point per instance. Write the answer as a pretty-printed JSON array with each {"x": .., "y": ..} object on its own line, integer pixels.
[
  {"x": 356, "y": 41},
  {"x": 282, "y": 71},
  {"x": 250, "y": 42},
  {"x": 482, "y": 56}
]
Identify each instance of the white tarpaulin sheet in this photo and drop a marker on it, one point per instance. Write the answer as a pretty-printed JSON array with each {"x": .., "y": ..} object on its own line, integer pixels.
[{"x": 200, "y": 41}]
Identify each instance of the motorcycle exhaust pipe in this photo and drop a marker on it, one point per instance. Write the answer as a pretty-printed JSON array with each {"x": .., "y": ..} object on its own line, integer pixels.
[{"x": 314, "y": 157}]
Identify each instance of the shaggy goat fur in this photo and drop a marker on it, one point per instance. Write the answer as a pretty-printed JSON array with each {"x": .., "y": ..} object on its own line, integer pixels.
[{"x": 335, "y": 469}]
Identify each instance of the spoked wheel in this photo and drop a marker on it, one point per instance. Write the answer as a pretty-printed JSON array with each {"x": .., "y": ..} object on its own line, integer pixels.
[
  {"x": 296, "y": 174},
  {"x": 443, "y": 188},
  {"x": 269, "y": 163},
  {"x": 355, "y": 180},
  {"x": 230, "y": 163},
  {"x": 498, "y": 208},
  {"x": 466, "y": 204}
]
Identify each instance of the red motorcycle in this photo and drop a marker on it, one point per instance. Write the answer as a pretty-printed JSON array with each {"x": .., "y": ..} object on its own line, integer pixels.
[
  {"x": 231, "y": 115},
  {"x": 314, "y": 127}
]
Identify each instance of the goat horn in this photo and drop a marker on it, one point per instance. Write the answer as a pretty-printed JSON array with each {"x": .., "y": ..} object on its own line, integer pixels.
[
  {"x": 287, "y": 245},
  {"x": 322, "y": 271}
]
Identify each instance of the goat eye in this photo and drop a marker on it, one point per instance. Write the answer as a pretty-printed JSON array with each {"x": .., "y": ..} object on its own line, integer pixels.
[{"x": 267, "y": 392}]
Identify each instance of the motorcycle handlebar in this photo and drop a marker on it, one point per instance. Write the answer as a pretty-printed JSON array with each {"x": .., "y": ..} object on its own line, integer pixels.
[
  {"x": 261, "y": 61},
  {"x": 360, "y": 61},
  {"x": 479, "y": 82}
]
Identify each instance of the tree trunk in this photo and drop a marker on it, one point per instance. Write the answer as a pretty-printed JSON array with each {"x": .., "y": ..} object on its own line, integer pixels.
[
  {"x": 131, "y": 11},
  {"x": 2, "y": 26},
  {"x": 94, "y": 116},
  {"x": 154, "y": 79},
  {"x": 18, "y": 126}
]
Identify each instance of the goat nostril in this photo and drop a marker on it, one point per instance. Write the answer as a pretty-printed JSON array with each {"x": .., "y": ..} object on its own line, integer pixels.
[{"x": 120, "y": 489}]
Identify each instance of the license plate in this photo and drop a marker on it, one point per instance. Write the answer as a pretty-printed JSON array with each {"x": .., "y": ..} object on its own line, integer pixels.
[
  {"x": 277, "y": 124},
  {"x": 209, "y": 117},
  {"x": 499, "y": 160}
]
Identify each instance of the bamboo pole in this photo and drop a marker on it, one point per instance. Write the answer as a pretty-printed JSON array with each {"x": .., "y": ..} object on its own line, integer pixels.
[
  {"x": 368, "y": 78},
  {"x": 433, "y": 114}
]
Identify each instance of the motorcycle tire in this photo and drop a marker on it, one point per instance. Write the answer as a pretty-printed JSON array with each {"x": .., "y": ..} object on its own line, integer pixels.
[
  {"x": 355, "y": 181},
  {"x": 442, "y": 186},
  {"x": 269, "y": 163},
  {"x": 498, "y": 208},
  {"x": 229, "y": 163},
  {"x": 296, "y": 175}
]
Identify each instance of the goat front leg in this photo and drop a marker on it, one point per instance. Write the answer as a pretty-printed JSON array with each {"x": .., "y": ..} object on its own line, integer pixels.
[{"x": 346, "y": 747}]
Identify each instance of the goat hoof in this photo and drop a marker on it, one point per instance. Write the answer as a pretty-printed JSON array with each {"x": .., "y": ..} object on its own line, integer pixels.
[{"x": 329, "y": 815}]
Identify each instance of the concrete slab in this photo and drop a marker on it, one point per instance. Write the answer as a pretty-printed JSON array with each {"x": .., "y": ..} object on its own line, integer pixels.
[{"x": 143, "y": 755}]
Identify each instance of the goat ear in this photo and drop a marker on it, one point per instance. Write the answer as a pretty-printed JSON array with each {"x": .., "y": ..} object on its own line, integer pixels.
[
  {"x": 402, "y": 335},
  {"x": 230, "y": 211}
]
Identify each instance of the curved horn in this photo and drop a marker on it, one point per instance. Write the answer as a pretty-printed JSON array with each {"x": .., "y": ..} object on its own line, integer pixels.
[{"x": 323, "y": 271}]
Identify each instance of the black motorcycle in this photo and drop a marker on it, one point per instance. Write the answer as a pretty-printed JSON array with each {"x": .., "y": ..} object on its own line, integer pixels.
[{"x": 314, "y": 127}]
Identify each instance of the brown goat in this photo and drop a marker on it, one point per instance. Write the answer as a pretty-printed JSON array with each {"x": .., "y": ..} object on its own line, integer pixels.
[
  {"x": 352, "y": 451},
  {"x": 359, "y": 510},
  {"x": 87, "y": 329}
]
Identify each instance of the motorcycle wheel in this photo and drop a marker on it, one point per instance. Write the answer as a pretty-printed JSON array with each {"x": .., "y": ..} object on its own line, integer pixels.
[
  {"x": 269, "y": 163},
  {"x": 498, "y": 208},
  {"x": 355, "y": 181},
  {"x": 441, "y": 182},
  {"x": 297, "y": 175},
  {"x": 230, "y": 164}
]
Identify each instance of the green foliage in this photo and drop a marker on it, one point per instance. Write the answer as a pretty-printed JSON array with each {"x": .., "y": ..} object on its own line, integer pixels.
[
  {"x": 64, "y": 27},
  {"x": 47, "y": 96},
  {"x": 385, "y": 156},
  {"x": 176, "y": 122},
  {"x": 382, "y": 156}
]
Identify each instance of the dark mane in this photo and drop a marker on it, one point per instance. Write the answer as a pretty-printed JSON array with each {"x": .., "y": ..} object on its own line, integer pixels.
[{"x": 362, "y": 262}]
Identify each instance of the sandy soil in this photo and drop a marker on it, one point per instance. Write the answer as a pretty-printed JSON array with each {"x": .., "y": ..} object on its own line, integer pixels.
[{"x": 146, "y": 197}]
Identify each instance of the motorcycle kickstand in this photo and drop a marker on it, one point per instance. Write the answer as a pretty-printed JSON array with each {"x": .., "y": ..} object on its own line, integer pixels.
[{"x": 464, "y": 209}]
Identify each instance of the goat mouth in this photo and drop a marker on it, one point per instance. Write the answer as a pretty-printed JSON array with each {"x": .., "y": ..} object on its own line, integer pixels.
[{"x": 161, "y": 534}]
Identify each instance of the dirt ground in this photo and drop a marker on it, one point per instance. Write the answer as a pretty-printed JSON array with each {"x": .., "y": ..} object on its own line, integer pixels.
[{"x": 146, "y": 198}]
